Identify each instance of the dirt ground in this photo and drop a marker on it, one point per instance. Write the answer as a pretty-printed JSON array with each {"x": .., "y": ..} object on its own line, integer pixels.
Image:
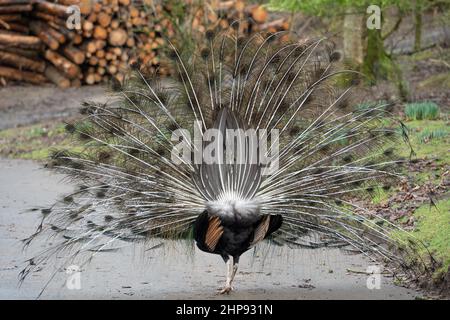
[
  {"x": 24, "y": 105},
  {"x": 167, "y": 272}
]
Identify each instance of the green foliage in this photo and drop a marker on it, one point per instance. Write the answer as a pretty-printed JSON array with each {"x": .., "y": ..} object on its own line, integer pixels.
[
  {"x": 378, "y": 64},
  {"x": 422, "y": 110},
  {"x": 428, "y": 135},
  {"x": 366, "y": 106},
  {"x": 33, "y": 142},
  {"x": 432, "y": 226},
  {"x": 435, "y": 148},
  {"x": 433, "y": 230},
  {"x": 332, "y": 7},
  {"x": 379, "y": 194}
]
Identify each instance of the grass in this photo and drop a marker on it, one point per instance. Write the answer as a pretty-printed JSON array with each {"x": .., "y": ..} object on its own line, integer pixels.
[
  {"x": 427, "y": 135},
  {"x": 430, "y": 139},
  {"x": 365, "y": 106},
  {"x": 379, "y": 195},
  {"x": 436, "y": 146},
  {"x": 433, "y": 230},
  {"x": 33, "y": 142},
  {"x": 422, "y": 111}
]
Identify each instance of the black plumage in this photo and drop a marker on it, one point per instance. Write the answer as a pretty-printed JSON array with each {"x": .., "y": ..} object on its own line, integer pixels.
[{"x": 234, "y": 237}]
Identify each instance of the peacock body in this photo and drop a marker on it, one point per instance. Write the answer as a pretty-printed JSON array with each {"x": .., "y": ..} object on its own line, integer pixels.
[{"x": 136, "y": 182}]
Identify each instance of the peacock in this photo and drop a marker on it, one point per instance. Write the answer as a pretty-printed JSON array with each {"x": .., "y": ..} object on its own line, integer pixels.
[{"x": 157, "y": 160}]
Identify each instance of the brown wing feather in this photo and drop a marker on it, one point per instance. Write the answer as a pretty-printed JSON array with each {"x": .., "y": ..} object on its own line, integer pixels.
[
  {"x": 261, "y": 230},
  {"x": 214, "y": 232}
]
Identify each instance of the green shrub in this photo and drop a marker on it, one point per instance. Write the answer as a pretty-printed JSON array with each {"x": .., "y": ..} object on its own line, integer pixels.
[
  {"x": 428, "y": 135},
  {"x": 422, "y": 110},
  {"x": 372, "y": 105}
]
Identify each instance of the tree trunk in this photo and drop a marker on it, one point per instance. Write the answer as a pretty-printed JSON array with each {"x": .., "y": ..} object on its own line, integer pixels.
[
  {"x": 74, "y": 54},
  {"x": 52, "y": 8},
  {"x": 48, "y": 17},
  {"x": 21, "y": 62},
  {"x": 57, "y": 78},
  {"x": 418, "y": 25},
  {"x": 42, "y": 32},
  {"x": 353, "y": 40},
  {"x": 20, "y": 41},
  {"x": 10, "y": 2},
  {"x": 117, "y": 37},
  {"x": 15, "y": 74},
  {"x": 379, "y": 65},
  {"x": 10, "y": 17},
  {"x": 61, "y": 63},
  {"x": 16, "y": 8},
  {"x": 32, "y": 54},
  {"x": 17, "y": 27},
  {"x": 374, "y": 60}
]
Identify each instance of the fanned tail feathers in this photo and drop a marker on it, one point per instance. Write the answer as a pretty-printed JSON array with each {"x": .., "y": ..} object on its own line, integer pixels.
[{"x": 329, "y": 151}]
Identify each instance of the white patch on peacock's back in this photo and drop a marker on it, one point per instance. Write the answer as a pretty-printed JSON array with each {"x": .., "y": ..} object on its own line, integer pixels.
[{"x": 229, "y": 206}]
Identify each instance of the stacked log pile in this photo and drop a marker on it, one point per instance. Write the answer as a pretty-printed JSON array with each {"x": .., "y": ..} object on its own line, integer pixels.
[
  {"x": 249, "y": 18},
  {"x": 37, "y": 44}
]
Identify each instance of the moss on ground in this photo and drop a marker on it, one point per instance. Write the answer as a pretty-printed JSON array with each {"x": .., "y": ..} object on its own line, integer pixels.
[
  {"x": 433, "y": 230},
  {"x": 33, "y": 142},
  {"x": 432, "y": 224},
  {"x": 380, "y": 195},
  {"x": 435, "y": 148}
]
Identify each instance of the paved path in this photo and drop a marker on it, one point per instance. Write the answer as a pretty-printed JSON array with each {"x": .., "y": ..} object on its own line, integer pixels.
[{"x": 173, "y": 271}]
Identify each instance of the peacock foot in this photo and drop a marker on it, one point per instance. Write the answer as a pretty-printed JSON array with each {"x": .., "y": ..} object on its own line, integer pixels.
[{"x": 226, "y": 289}]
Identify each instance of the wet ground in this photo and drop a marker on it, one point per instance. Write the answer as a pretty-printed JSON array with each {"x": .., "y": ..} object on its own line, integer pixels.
[{"x": 171, "y": 271}]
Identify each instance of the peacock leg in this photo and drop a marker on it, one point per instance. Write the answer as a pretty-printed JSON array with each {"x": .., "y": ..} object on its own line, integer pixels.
[
  {"x": 235, "y": 267},
  {"x": 230, "y": 275}
]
